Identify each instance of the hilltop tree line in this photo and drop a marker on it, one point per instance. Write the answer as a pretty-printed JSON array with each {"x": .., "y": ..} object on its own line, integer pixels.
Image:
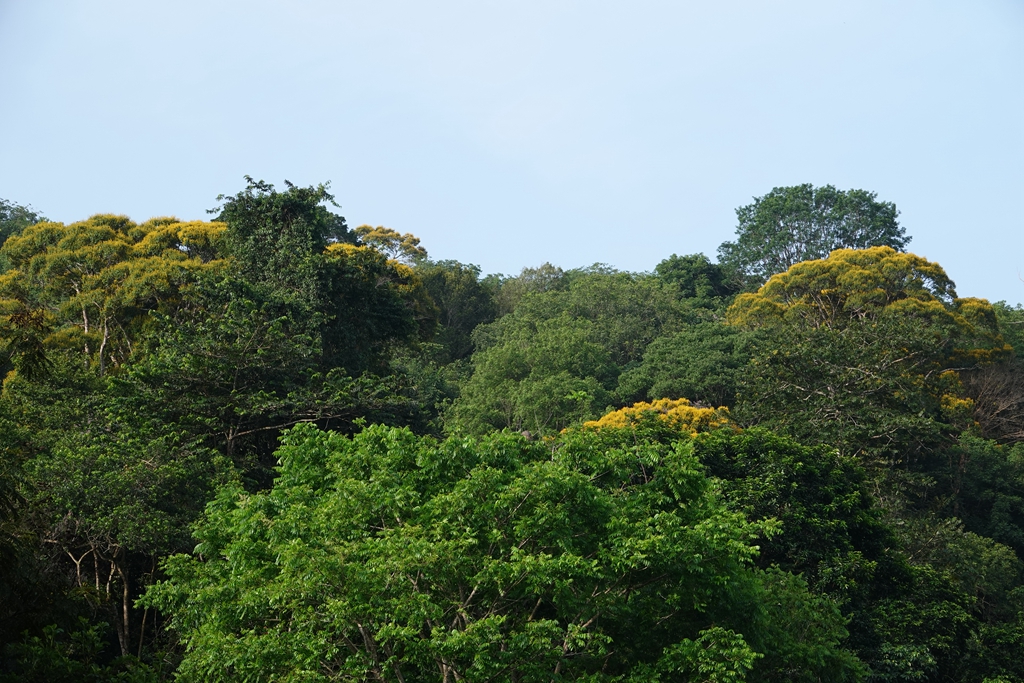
[{"x": 273, "y": 447}]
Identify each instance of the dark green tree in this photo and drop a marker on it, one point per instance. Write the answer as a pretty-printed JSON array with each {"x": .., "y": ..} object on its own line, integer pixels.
[
  {"x": 802, "y": 223},
  {"x": 703, "y": 362},
  {"x": 463, "y": 302},
  {"x": 697, "y": 278},
  {"x": 278, "y": 238},
  {"x": 14, "y": 218}
]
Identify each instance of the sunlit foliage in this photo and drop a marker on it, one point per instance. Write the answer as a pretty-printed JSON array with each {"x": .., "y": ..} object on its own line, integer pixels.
[
  {"x": 90, "y": 285},
  {"x": 678, "y": 414}
]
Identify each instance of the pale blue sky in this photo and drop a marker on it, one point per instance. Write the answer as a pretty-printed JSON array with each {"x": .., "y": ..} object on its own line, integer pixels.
[{"x": 509, "y": 134}]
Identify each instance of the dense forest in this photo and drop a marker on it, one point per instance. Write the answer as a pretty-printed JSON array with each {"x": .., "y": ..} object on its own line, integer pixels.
[{"x": 271, "y": 447}]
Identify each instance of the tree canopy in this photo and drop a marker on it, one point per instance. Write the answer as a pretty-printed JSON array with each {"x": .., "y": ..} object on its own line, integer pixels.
[
  {"x": 389, "y": 557},
  {"x": 803, "y": 223},
  {"x": 267, "y": 447}
]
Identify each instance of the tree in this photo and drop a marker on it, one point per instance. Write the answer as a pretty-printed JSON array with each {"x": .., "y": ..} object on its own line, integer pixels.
[
  {"x": 556, "y": 358},
  {"x": 509, "y": 291},
  {"x": 353, "y": 300},
  {"x": 390, "y": 557},
  {"x": 921, "y": 598},
  {"x": 861, "y": 350},
  {"x": 703, "y": 362},
  {"x": 276, "y": 238},
  {"x": 235, "y": 365},
  {"x": 464, "y": 303},
  {"x": 14, "y": 218},
  {"x": 91, "y": 285},
  {"x": 697, "y": 278},
  {"x": 372, "y": 304},
  {"x": 405, "y": 248},
  {"x": 541, "y": 376},
  {"x": 802, "y": 223}
]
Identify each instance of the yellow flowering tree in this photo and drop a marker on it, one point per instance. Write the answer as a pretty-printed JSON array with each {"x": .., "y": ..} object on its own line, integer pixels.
[
  {"x": 395, "y": 245},
  {"x": 862, "y": 349},
  {"x": 90, "y": 285}
]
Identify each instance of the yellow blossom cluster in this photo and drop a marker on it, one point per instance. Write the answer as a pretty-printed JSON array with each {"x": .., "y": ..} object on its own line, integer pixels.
[{"x": 678, "y": 413}]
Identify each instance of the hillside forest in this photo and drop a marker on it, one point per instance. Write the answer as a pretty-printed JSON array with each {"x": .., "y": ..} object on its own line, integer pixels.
[{"x": 273, "y": 447}]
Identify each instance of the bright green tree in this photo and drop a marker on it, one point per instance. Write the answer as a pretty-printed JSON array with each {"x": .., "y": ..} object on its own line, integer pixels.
[
  {"x": 392, "y": 557},
  {"x": 556, "y": 358},
  {"x": 540, "y": 377}
]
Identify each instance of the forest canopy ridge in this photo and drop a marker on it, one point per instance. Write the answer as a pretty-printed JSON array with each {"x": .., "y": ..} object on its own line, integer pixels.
[{"x": 272, "y": 447}]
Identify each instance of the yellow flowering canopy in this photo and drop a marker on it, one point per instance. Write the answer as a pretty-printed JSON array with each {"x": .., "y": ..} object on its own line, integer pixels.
[
  {"x": 678, "y": 414},
  {"x": 89, "y": 283},
  {"x": 853, "y": 285},
  {"x": 392, "y": 243}
]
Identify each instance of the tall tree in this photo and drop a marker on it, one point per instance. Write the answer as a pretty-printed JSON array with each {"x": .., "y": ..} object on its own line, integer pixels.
[
  {"x": 801, "y": 223},
  {"x": 276, "y": 237}
]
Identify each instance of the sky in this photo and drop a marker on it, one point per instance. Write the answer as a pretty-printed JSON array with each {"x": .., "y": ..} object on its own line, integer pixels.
[{"x": 516, "y": 133}]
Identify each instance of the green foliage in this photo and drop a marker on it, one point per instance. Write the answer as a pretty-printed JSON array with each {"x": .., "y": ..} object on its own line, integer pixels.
[
  {"x": 697, "y": 278},
  {"x": 988, "y": 490},
  {"x": 400, "y": 558},
  {"x": 541, "y": 377},
  {"x": 463, "y": 302},
  {"x": 509, "y": 291},
  {"x": 861, "y": 389},
  {"x": 704, "y": 362},
  {"x": 277, "y": 237},
  {"x": 234, "y": 368},
  {"x": 832, "y": 532},
  {"x": 372, "y": 304},
  {"x": 75, "y": 657},
  {"x": 803, "y": 223},
  {"x": 958, "y": 613},
  {"x": 629, "y": 310},
  {"x": 105, "y": 490},
  {"x": 555, "y": 359}
]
